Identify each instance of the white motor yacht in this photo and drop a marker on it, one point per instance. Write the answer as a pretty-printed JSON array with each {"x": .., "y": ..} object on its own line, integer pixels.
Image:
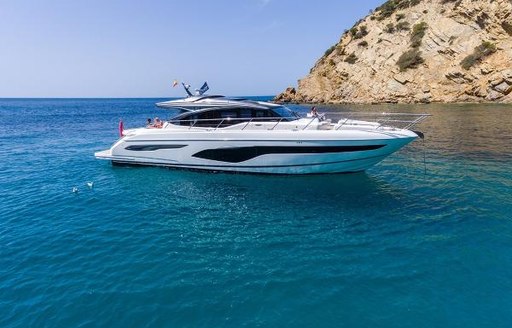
[{"x": 260, "y": 137}]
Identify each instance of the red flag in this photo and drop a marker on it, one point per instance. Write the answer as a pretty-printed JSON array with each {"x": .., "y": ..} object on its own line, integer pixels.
[{"x": 121, "y": 128}]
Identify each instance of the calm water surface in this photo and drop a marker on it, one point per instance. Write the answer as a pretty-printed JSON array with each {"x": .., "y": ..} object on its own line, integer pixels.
[{"x": 149, "y": 247}]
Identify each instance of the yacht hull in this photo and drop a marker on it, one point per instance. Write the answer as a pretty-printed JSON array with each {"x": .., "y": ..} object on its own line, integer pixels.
[{"x": 286, "y": 152}]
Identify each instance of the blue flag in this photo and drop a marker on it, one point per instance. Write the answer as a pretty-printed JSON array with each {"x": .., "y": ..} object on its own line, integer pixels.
[{"x": 203, "y": 88}]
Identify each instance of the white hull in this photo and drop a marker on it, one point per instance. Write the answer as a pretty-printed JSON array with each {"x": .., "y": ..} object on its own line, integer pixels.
[{"x": 279, "y": 152}]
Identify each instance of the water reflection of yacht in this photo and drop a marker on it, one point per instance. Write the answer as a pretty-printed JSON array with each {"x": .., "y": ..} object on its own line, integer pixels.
[{"x": 235, "y": 135}]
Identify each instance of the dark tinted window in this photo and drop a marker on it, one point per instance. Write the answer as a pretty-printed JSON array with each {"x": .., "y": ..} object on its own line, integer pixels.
[
  {"x": 245, "y": 113},
  {"x": 282, "y": 111},
  {"x": 226, "y": 117},
  {"x": 262, "y": 113}
]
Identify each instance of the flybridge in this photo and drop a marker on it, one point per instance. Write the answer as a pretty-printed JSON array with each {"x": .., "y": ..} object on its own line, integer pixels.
[
  {"x": 200, "y": 100},
  {"x": 214, "y": 101}
]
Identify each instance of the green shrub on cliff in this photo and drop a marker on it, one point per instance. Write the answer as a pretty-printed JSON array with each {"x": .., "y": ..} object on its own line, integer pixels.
[
  {"x": 359, "y": 32},
  {"x": 507, "y": 27},
  {"x": 410, "y": 59},
  {"x": 351, "y": 59},
  {"x": 479, "y": 53},
  {"x": 329, "y": 51},
  {"x": 389, "y": 7},
  {"x": 363, "y": 30},
  {"x": 390, "y": 28},
  {"x": 418, "y": 32},
  {"x": 403, "y": 26}
]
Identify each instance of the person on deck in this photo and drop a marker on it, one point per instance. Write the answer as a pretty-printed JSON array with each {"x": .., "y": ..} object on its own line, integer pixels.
[
  {"x": 158, "y": 123},
  {"x": 313, "y": 112}
]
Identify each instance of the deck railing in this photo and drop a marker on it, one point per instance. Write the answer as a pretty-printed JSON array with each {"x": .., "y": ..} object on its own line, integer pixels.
[
  {"x": 337, "y": 120},
  {"x": 397, "y": 120}
]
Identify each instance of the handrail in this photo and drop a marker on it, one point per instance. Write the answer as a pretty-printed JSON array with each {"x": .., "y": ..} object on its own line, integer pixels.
[
  {"x": 219, "y": 124},
  {"x": 276, "y": 124},
  {"x": 374, "y": 120},
  {"x": 279, "y": 119},
  {"x": 247, "y": 123},
  {"x": 311, "y": 121},
  {"x": 342, "y": 124}
]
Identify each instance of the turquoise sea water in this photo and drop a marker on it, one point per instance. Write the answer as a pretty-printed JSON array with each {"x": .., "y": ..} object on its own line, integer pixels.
[{"x": 150, "y": 247}]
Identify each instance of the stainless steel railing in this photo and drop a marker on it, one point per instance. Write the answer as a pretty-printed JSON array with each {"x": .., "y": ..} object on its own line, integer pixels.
[
  {"x": 397, "y": 120},
  {"x": 369, "y": 120}
]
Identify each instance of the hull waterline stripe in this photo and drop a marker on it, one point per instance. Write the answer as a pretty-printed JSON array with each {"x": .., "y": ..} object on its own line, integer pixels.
[{"x": 219, "y": 167}]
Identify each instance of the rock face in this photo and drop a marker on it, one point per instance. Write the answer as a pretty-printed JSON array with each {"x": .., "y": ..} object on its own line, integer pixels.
[
  {"x": 410, "y": 51},
  {"x": 287, "y": 96}
]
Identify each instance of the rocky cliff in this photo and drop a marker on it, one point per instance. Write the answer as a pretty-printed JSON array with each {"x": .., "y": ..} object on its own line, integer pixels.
[{"x": 409, "y": 51}]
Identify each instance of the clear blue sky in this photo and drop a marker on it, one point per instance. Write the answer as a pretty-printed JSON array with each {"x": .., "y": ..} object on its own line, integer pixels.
[{"x": 122, "y": 48}]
